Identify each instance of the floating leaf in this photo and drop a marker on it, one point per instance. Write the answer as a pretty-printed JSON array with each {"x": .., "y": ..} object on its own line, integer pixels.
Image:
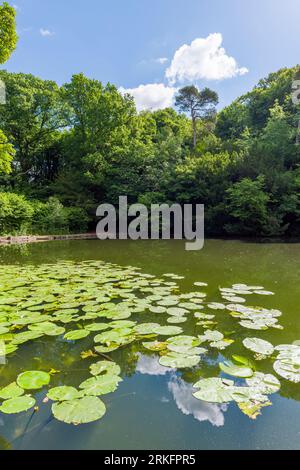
[
  {"x": 100, "y": 385},
  {"x": 259, "y": 346},
  {"x": 214, "y": 390},
  {"x": 63, "y": 393},
  {"x": 76, "y": 334},
  {"x": 80, "y": 411},
  {"x": 17, "y": 405},
  {"x": 179, "y": 361},
  {"x": 167, "y": 330},
  {"x": 235, "y": 370},
  {"x": 252, "y": 410},
  {"x": 33, "y": 380},
  {"x": 155, "y": 345},
  {"x": 265, "y": 383},
  {"x": 105, "y": 367},
  {"x": 11, "y": 391}
]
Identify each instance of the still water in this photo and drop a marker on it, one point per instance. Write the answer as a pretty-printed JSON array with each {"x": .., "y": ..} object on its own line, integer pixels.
[{"x": 153, "y": 407}]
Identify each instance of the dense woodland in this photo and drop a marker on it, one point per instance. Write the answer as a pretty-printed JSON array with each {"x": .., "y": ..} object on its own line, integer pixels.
[{"x": 64, "y": 150}]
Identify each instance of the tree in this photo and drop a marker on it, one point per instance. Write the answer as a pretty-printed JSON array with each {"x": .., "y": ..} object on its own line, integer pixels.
[
  {"x": 7, "y": 153},
  {"x": 8, "y": 35},
  {"x": 199, "y": 104},
  {"x": 31, "y": 120}
]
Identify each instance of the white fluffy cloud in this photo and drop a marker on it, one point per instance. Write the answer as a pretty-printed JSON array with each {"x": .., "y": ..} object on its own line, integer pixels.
[
  {"x": 46, "y": 32},
  {"x": 204, "y": 58},
  {"x": 162, "y": 60},
  {"x": 152, "y": 96},
  {"x": 188, "y": 405}
]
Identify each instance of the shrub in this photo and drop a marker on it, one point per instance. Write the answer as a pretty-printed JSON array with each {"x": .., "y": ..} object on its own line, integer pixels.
[{"x": 15, "y": 214}]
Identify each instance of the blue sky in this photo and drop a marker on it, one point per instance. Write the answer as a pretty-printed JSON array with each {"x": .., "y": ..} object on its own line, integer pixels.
[{"x": 132, "y": 43}]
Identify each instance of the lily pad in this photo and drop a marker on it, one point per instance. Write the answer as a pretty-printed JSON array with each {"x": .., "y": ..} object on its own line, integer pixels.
[
  {"x": 100, "y": 385},
  {"x": 105, "y": 367},
  {"x": 259, "y": 346},
  {"x": 80, "y": 411},
  {"x": 33, "y": 380},
  {"x": 76, "y": 334},
  {"x": 11, "y": 391},
  {"x": 178, "y": 361},
  {"x": 17, "y": 405},
  {"x": 63, "y": 393},
  {"x": 235, "y": 370},
  {"x": 214, "y": 390}
]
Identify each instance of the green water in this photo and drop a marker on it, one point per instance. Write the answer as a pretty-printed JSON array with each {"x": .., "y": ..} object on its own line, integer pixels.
[{"x": 153, "y": 407}]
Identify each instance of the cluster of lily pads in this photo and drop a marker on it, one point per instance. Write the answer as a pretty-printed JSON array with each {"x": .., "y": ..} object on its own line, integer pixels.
[{"x": 104, "y": 302}]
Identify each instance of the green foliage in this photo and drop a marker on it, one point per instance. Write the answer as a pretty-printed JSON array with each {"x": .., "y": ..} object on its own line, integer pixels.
[
  {"x": 7, "y": 153},
  {"x": 248, "y": 206},
  {"x": 8, "y": 35},
  {"x": 15, "y": 213},
  {"x": 68, "y": 149}
]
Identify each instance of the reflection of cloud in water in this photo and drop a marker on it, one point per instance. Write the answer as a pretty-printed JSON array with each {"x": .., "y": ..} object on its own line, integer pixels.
[
  {"x": 149, "y": 365},
  {"x": 202, "y": 411}
]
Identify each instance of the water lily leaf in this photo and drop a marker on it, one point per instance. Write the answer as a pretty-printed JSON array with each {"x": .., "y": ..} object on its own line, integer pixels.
[
  {"x": 289, "y": 372},
  {"x": 259, "y": 346},
  {"x": 100, "y": 385},
  {"x": 263, "y": 292},
  {"x": 158, "y": 309},
  {"x": 178, "y": 361},
  {"x": 176, "y": 320},
  {"x": 122, "y": 324},
  {"x": 244, "y": 360},
  {"x": 33, "y": 380},
  {"x": 216, "y": 306},
  {"x": 76, "y": 334},
  {"x": 80, "y": 411},
  {"x": 253, "y": 410},
  {"x": 177, "y": 311},
  {"x": 235, "y": 370},
  {"x": 214, "y": 390},
  {"x": 167, "y": 330},
  {"x": 11, "y": 391},
  {"x": 211, "y": 335},
  {"x": 48, "y": 329},
  {"x": 17, "y": 405},
  {"x": 106, "y": 349},
  {"x": 146, "y": 328},
  {"x": 222, "y": 344},
  {"x": 167, "y": 302},
  {"x": 3, "y": 330},
  {"x": 63, "y": 393},
  {"x": 97, "y": 327},
  {"x": 87, "y": 354},
  {"x": 155, "y": 345},
  {"x": 105, "y": 367},
  {"x": 265, "y": 383}
]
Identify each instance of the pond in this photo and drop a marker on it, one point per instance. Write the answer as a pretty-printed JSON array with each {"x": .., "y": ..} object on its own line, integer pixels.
[{"x": 158, "y": 338}]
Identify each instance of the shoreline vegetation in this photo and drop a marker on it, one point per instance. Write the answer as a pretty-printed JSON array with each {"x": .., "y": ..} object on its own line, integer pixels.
[{"x": 65, "y": 150}]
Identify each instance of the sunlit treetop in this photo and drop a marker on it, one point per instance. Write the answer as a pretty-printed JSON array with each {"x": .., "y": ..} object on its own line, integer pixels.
[{"x": 8, "y": 34}]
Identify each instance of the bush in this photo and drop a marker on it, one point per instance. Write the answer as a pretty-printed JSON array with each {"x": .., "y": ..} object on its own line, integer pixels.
[
  {"x": 50, "y": 217},
  {"x": 18, "y": 216},
  {"x": 15, "y": 214}
]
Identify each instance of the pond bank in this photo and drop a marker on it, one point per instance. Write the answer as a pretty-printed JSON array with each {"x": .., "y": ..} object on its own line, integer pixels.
[{"x": 20, "y": 240}]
